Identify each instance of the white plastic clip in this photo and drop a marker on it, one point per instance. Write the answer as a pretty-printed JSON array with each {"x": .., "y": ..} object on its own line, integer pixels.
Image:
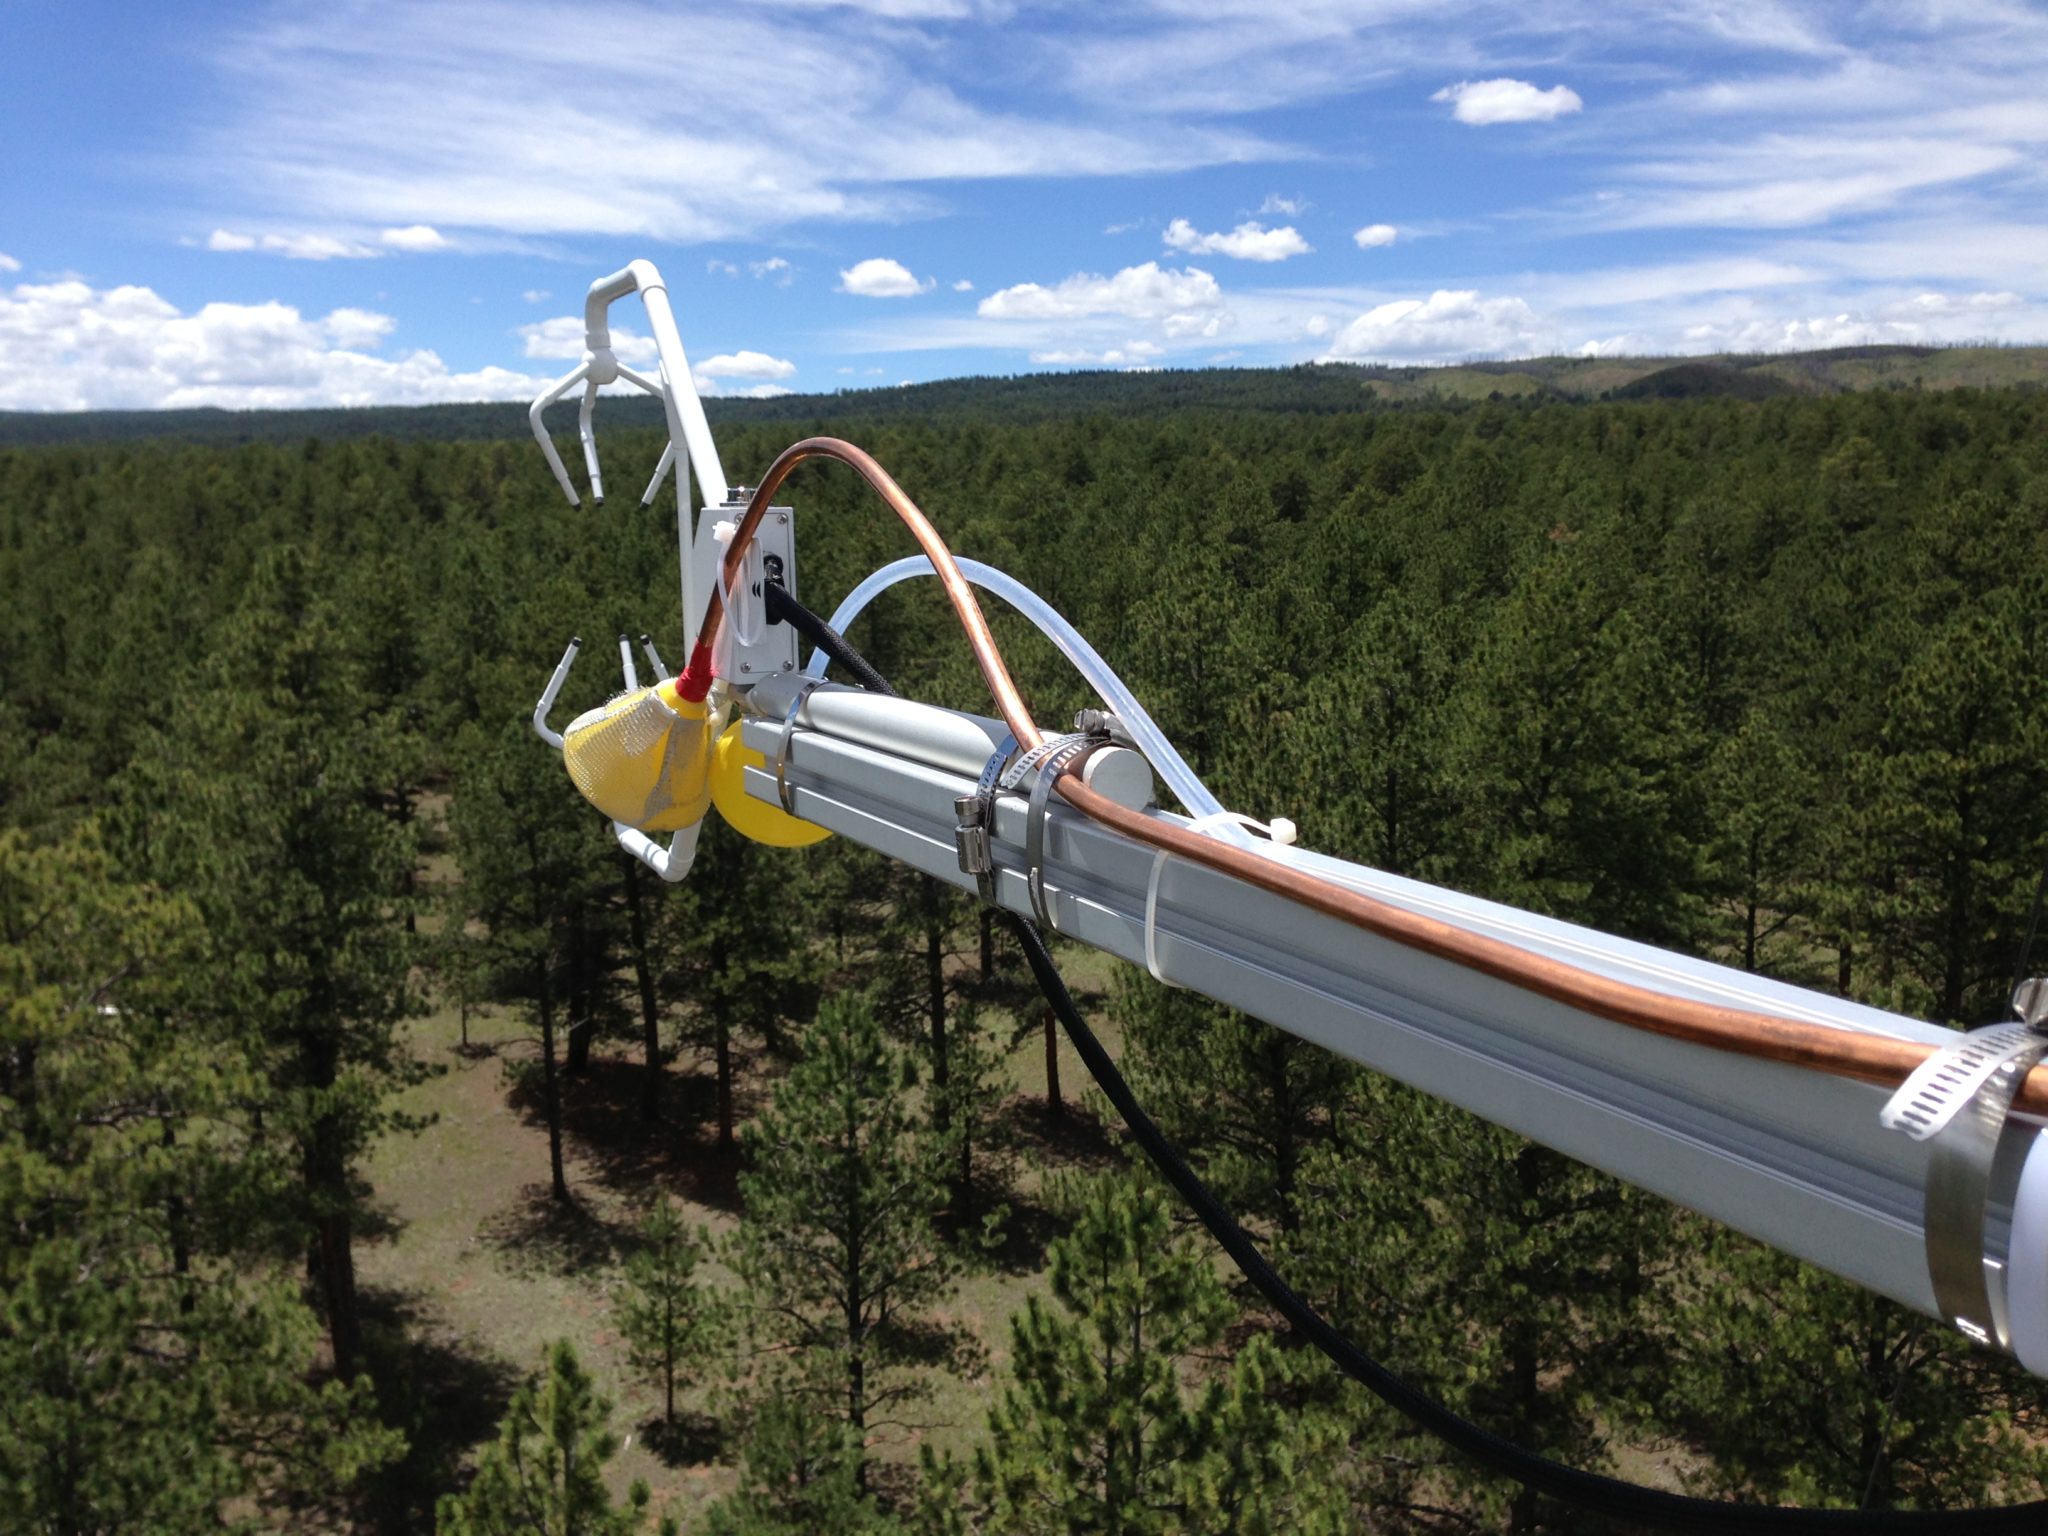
[{"x": 1279, "y": 830}]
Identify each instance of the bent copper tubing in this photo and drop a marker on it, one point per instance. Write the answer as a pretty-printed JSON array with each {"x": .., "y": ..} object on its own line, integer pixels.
[{"x": 1819, "y": 1047}]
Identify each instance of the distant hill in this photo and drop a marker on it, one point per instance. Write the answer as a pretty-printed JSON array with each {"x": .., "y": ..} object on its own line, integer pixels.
[{"x": 1318, "y": 388}]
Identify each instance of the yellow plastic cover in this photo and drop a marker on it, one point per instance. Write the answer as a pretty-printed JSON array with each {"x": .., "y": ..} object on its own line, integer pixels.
[
  {"x": 644, "y": 758},
  {"x": 757, "y": 819}
]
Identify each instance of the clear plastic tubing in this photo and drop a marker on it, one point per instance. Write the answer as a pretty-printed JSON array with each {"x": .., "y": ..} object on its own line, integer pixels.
[{"x": 1151, "y": 741}]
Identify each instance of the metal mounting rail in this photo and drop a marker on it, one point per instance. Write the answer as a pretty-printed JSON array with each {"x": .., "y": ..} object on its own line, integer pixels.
[{"x": 1793, "y": 1157}]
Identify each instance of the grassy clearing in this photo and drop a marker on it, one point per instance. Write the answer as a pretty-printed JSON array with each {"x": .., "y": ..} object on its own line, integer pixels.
[{"x": 469, "y": 1268}]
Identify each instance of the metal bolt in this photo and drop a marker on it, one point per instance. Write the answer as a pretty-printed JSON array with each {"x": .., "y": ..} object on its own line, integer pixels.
[
  {"x": 746, "y": 666},
  {"x": 782, "y": 517}
]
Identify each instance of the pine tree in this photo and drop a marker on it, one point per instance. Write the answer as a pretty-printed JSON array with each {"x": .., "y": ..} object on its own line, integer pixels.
[
  {"x": 1951, "y": 808},
  {"x": 263, "y": 800},
  {"x": 1248, "y": 1101},
  {"x": 727, "y": 944},
  {"x": 663, "y": 1313},
  {"x": 1805, "y": 1389},
  {"x": 839, "y": 1254},
  {"x": 1097, "y": 1431},
  {"x": 137, "y": 1333},
  {"x": 801, "y": 1476},
  {"x": 532, "y": 868},
  {"x": 1517, "y": 1285},
  {"x": 544, "y": 1475}
]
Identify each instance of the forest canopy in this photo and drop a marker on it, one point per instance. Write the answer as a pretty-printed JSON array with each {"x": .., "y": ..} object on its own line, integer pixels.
[{"x": 1759, "y": 679}]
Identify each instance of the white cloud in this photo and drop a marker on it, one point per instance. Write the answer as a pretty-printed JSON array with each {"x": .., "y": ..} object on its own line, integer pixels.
[
  {"x": 1286, "y": 207},
  {"x": 316, "y": 247},
  {"x": 1129, "y": 353},
  {"x": 1207, "y": 326},
  {"x": 8, "y": 263},
  {"x": 1924, "y": 318},
  {"x": 881, "y": 278},
  {"x": 962, "y": 285},
  {"x": 534, "y": 295},
  {"x": 299, "y": 247},
  {"x": 69, "y": 346},
  {"x": 1448, "y": 324},
  {"x": 1145, "y": 292},
  {"x": 415, "y": 237},
  {"x": 751, "y": 392},
  {"x": 744, "y": 365},
  {"x": 1374, "y": 235},
  {"x": 1317, "y": 325},
  {"x": 357, "y": 329},
  {"x": 1250, "y": 241},
  {"x": 777, "y": 267},
  {"x": 714, "y": 266},
  {"x": 1481, "y": 102},
  {"x": 562, "y": 337},
  {"x": 1615, "y": 346}
]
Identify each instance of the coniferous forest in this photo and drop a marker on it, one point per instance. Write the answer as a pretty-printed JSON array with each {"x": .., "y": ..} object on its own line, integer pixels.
[{"x": 381, "y": 1150}]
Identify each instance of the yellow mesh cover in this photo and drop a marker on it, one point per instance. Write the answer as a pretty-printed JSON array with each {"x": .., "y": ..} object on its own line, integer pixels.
[{"x": 644, "y": 758}]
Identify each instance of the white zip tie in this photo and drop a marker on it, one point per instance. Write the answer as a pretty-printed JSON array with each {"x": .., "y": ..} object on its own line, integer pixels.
[
  {"x": 732, "y": 633},
  {"x": 1279, "y": 830}
]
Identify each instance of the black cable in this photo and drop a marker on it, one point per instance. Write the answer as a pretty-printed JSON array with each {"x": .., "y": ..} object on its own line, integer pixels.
[
  {"x": 1590, "y": 1491},
  {"x": 783, "y": 607}
]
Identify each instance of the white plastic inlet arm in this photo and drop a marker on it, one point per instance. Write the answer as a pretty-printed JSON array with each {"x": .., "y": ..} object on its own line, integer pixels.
[
  {"x": 547, "y": 696},
  {"x": 537, "y": 410},
  {"x": 672, "y": 862},
  {"x": 686, "y": 421}
]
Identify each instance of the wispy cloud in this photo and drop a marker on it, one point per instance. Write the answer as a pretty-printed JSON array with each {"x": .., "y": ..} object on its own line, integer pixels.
[
  {"x": 1110, "y": 357},
  {"x": 523, "y": 118},
  {"x": 299, "y": 247},
  {"x": 1374, "y": 235}
]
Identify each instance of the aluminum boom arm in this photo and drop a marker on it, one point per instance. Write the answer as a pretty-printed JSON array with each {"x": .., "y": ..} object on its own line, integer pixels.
[{"x": 1795, "y": 1158}]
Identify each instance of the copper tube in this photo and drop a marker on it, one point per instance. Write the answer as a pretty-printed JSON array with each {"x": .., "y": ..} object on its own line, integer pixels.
[{"x": 1845, "y": 1053}]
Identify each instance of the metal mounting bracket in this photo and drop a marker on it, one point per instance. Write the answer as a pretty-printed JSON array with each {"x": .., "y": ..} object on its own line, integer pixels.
[
  {"x": 974, "y": 831},
  {"x": 781, "y": 762}
]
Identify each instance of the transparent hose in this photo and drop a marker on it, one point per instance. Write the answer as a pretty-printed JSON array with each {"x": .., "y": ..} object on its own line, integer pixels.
[{"x": 1193, "y": 795}]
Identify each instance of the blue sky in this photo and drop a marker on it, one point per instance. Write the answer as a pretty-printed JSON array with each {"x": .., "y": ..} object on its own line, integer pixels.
[{"x": 251, "y": 203}]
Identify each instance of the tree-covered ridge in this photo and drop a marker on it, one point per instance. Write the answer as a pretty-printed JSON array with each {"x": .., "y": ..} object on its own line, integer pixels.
[
  {"x": 1761, "y": 680},
  {"x": 1033, "y": 397}
]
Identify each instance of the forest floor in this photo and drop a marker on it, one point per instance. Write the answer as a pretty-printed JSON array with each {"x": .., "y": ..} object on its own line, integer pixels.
[{"x": 469, "y": 1268}]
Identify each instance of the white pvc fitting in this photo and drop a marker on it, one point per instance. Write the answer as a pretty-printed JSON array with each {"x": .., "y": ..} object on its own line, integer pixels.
[{"x": 2026, "y": 1264}]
